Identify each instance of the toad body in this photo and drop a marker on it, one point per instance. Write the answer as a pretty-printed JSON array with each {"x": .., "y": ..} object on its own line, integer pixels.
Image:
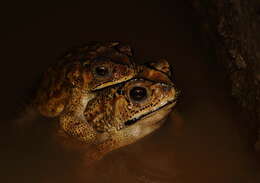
[
  {"x": 103, "y": 99},
  {"x": 81, "y": 71}
]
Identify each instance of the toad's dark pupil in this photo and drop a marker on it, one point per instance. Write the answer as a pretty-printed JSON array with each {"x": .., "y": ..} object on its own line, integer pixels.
[
  {"x": 138, "y": 93},
  {"x": 101, "y": 71}
]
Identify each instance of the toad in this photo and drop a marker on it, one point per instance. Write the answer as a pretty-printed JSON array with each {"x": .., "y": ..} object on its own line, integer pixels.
[
  {"x": 124, "y": 113},
  {"x": 81, "y": 71},
  {"x": 103, "y": 100}
]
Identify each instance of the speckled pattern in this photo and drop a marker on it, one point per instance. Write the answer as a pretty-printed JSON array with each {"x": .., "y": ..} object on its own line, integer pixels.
[
  {"x": 98, "y": 111},
  {"x": 76, "y": 69}
]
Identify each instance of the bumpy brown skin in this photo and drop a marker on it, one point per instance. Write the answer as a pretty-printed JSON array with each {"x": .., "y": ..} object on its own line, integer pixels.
[
  {"x": 74, "y": 71},
  {"x": 105, "y": 125},
  {"x": 112, "y": 121},
  {"x": 91, "y": 111}
]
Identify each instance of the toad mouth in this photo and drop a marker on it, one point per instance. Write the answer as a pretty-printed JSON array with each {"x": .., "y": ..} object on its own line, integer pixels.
[{"x": 169, "y": 104}]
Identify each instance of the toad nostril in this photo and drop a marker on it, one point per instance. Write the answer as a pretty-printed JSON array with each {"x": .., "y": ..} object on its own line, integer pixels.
[{"x": 167, "y": 88}]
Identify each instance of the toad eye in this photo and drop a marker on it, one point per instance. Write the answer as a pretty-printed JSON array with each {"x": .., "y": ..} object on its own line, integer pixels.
[
  {"x": 138, "y": 94},
  {"x": 101, "y": 71}
]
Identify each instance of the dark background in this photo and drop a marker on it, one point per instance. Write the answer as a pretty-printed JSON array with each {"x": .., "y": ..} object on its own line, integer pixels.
[
  {"x": 36, "y": 33},
  {"x": 211, "y": 146}
]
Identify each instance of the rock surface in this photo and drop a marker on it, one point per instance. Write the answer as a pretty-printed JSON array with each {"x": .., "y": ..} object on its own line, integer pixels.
[{"x": 231, "y": 28}]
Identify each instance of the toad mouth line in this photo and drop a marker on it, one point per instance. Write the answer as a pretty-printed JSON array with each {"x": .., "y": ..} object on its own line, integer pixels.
[{"x": 133, "y": 121}]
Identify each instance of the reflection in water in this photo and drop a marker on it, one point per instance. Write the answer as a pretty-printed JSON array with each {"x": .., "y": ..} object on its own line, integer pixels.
[{"x": 201, "y": 143}]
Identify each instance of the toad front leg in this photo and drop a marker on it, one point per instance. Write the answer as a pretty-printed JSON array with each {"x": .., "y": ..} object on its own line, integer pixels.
[{"x": 72, "y": 120}]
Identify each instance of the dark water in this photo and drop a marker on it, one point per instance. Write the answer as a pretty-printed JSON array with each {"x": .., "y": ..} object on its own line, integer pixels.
[{"x": 203, "y": 143}]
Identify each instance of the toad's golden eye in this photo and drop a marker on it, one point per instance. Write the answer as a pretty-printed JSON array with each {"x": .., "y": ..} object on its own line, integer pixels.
[
  {"x": 138, "y": 93},
  {"x": 102, "y": 71}
]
